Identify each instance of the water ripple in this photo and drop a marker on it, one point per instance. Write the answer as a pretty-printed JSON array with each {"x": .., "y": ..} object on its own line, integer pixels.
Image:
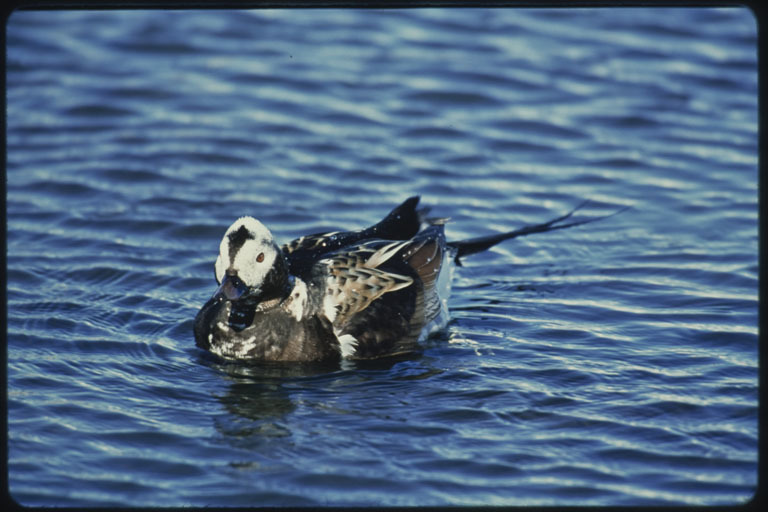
[{"x": 608, "y": 364}]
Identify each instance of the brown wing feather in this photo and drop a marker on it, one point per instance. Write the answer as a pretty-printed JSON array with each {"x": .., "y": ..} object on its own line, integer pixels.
[
  {"x": 353, "y": 285},
  {"x": 360, "y": 276},
  {"x": 426, "y": 259}
]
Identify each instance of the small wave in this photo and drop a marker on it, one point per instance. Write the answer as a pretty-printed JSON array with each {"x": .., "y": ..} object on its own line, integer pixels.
[{"x": 456, "y": 99}]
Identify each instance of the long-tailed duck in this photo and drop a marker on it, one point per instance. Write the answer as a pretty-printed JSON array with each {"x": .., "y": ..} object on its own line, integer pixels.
[{"x": 354, "y": 294}]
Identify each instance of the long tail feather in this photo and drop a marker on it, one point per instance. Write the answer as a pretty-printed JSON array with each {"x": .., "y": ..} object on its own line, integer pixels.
[{"x": 474, "y": 245}]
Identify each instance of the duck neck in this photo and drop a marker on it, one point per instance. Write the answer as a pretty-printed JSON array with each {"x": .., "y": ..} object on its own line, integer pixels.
[{"x": 277, "y": 284}]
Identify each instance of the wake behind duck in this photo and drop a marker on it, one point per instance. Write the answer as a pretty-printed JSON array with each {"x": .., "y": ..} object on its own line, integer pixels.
[{"x": 354, "y": 294}]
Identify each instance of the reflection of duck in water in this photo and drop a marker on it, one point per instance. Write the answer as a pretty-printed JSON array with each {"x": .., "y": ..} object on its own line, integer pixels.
[
  {"x": 355, "y": 294},
  {"x": 260, "y": 395},
  {"x": 256, "y": 401}
]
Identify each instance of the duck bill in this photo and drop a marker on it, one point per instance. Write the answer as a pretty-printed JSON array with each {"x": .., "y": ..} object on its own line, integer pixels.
[{"x": 231, "y": 288}]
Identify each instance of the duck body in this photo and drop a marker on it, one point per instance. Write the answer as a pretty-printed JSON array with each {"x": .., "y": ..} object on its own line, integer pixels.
[
  {"x": 355, "y": 294},
  {"x": 358, "y": 294}
]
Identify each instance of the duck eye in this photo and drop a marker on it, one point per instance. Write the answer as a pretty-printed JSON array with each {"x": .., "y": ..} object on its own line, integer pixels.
[{"x": 260, "y": 257}]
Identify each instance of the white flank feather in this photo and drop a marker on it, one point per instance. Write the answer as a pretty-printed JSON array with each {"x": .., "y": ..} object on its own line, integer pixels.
[
  {"x": 348, "y": 345},
  {"x": 298, "y": 300}
]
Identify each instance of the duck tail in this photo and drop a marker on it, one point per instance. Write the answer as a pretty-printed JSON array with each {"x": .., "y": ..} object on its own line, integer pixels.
[{"x": 479, "y": 244}]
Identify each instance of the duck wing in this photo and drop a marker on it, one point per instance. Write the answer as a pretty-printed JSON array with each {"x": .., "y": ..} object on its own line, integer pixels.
[
  {"x": 380, "y": 294},
  {"x": 402, "y": 223}
]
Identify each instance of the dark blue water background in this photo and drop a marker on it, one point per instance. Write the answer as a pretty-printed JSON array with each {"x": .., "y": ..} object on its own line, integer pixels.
[{"x": 614, "y": 363}]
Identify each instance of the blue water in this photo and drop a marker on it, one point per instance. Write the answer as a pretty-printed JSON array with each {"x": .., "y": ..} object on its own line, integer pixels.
[{"x": 609, "y": 364}]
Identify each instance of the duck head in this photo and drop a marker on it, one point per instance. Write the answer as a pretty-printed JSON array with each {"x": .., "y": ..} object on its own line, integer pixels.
[{"x": 250, "y": 267}]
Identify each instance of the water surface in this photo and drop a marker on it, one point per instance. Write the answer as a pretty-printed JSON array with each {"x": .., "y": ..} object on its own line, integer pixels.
[{"x": 610, "y": 364}]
